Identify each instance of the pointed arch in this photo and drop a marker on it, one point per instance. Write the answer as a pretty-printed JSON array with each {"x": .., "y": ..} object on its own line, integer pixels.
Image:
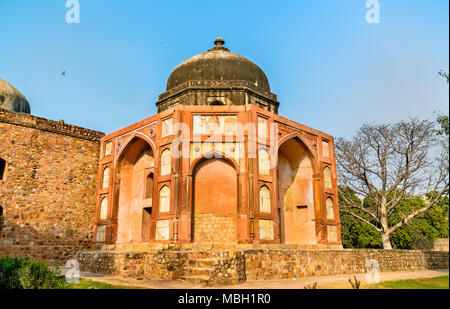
[
  {"x": 106, "y": 177},
  {"x": 312, "y": 153},
  {"x": 165, "y": 162},
  {"x": 330, "y": 208},
  {"x": 131, "y": 170},
  {"x": 130, "y": 139},
  {"x": 264, "y": 199},
  {"x": 214, "y": 199},
  {"x": 298, "y": 190},
  {"x": 164, "y": 199},
  {"x": 104, "y": 208},
  {"x": 213, "y": 154},
  {"x": 327, "y": 177}
]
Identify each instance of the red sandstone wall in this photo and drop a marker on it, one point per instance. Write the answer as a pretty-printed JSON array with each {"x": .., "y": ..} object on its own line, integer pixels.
[
  {"x": 305, "y": 219},
  {"x": 48, "y": 195},
  {"x": 215, "y": 202}
]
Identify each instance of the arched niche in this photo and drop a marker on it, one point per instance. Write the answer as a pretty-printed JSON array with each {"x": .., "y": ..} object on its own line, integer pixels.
[
  {"x": 330, "y": 208},
  {"x": 133, "y": 165},
  {"x": 106, "y": 177},
  {"x": 327, "y": 177},
  {"x": 104, "y": 209},
  {"x": 296, "y": 201},
  {"x": 214, "y": 213},
  {"x": 264, "y": 200}
]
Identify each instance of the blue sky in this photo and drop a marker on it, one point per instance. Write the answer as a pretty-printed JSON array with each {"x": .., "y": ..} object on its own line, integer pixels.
[{"x": 330, "y": 69}]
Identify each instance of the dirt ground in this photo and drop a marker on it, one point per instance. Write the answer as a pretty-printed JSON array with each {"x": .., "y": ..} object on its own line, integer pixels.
[{"x": 298, "y": 283}]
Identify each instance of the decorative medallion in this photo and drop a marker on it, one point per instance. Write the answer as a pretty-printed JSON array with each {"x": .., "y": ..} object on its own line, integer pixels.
[
  {"x": 119, "y": 143},
  {"x": 152, "y": 131}
]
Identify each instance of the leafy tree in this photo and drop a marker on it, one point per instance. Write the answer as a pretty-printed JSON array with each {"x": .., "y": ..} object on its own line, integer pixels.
[
  {"x": 354, "y": 233},
  {"x": 444, "y": 75},
  {"x": 420, "y": 232},
  {"x": 442, "y": 120},
  {"x": 386, "y": 164}
]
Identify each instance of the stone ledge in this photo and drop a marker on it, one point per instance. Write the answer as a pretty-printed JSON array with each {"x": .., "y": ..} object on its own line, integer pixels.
[{"x": 59, "y": 127}]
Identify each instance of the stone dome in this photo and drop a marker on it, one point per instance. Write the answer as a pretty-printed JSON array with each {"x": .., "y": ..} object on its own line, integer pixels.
[
  {"x": 219, "y": 64},
  {"x": 12, "y": 99}
]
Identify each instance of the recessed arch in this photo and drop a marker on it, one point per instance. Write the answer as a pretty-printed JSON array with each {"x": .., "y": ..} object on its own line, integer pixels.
[
  {"x": 214, "y": 200},
  {"x": 165, "y": 166},
  {"x": 210, "y": 155},
  {"x": 297, "y": 191},
  {"x": 263, "y": 162},
  {"x": 327, "y": 177},
  {"x": 135, "y": 160},
  {"x": 164, "y": 199},
  {"x": 149, "y": 186},
  {"x": 301, "y": 140},
  {"x": 264, "y": 199},
  {"x": 104, "y": 208},
  {"x": 106, "y": 177},
  {"x": 130, "y": 139},
  {"x": 330, "y": 208}
]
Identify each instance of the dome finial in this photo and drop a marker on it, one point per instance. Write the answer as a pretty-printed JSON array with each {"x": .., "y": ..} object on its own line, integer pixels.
[{"x": 219, "y": 42}]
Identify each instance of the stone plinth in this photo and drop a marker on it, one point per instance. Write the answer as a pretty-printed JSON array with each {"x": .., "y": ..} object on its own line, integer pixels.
[{"x": 215, "y": 266}]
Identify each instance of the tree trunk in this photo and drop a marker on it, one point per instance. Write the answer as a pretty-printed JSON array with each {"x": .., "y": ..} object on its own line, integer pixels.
[{"x": 386, "y": 239}]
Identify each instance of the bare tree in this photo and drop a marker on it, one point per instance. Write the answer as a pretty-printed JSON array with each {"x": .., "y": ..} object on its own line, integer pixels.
[{"x": 388, "y": 163}]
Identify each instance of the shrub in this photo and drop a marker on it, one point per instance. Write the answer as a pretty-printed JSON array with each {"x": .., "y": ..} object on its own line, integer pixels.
[
  {"x": 422, "y": 243},
  {"x": 9, "y": 278},
  {"x": 355, "y": 284},
  {"x": 18, "y": 273}
]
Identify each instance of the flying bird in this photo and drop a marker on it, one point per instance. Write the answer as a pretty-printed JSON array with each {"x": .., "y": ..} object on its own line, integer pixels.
[{"x": 63, "y": 73}]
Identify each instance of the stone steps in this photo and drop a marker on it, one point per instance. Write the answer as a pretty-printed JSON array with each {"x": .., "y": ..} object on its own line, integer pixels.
[
  {"x": 200, "y": 271},
  {"x": 216, "y": 270}
]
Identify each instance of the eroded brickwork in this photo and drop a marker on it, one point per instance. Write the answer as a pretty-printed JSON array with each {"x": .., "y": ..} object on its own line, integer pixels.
[
  {"x": 48, "y": 192},
  {"x": 216, "y": 229}
]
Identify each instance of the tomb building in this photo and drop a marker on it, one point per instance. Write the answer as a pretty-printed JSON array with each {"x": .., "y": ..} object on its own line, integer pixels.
[{"x": 217, "y": 165}]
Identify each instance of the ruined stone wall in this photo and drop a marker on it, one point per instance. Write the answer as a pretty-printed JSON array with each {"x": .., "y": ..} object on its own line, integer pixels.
[
  {"x": 48, "y": 192},
  {"x": 287, "y": 264},
  {"x": 441, "y": 244},
  {"x": 210, "y": 268},
  {"x": 233, "y": 266}
]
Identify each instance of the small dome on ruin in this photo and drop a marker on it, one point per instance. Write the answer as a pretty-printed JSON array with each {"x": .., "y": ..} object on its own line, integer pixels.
[{"x": 12, "y": 99}]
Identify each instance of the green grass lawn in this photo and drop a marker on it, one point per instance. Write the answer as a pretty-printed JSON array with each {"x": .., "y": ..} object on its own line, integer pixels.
[
  {"x": 91, "y": 284},
  {"x": 423, "y": 283}
]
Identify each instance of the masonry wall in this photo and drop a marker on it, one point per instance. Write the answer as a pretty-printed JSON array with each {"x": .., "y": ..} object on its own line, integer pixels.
[
  {"x": 48, "y": 192},
  {"x": 234, "y": 266}
]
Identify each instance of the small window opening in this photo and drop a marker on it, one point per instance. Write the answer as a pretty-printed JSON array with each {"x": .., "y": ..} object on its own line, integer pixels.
[
  {"x": 2, "y": 169},
  {"x": 217, "y": 103},
  {"x": 149, "y": 186}
]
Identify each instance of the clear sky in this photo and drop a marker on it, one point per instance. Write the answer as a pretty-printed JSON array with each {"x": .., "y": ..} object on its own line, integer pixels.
[{"x": 331, "y": 69}]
